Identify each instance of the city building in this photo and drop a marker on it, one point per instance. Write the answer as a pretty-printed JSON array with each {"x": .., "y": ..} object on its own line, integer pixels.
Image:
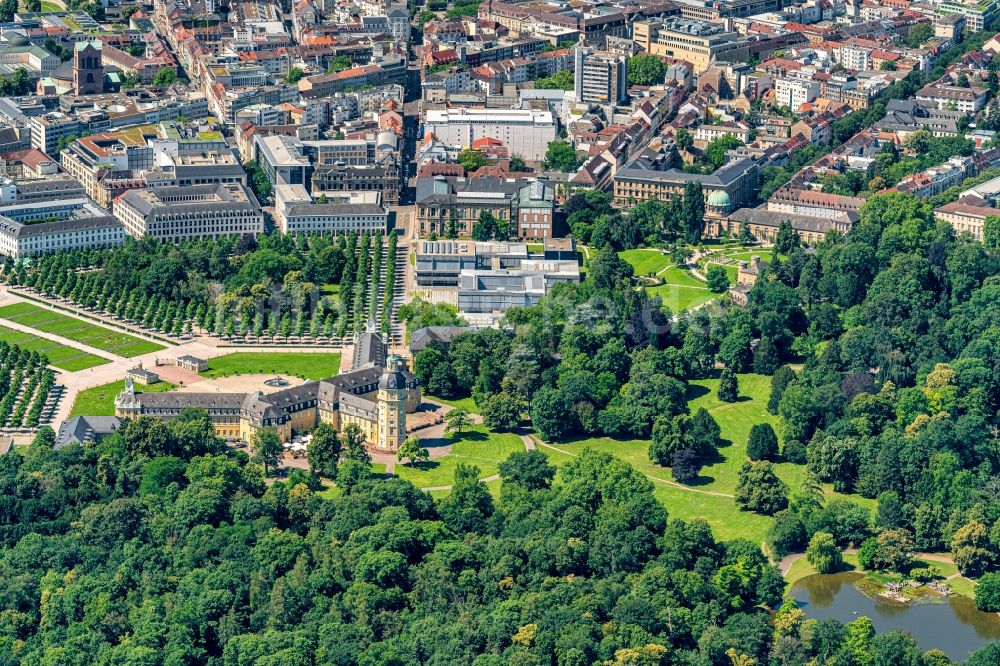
[
  {"x": 18, "y": 239},
  {"x": 600, "y": 77},
  {"x": 282, "y": 159},
  {"x": 354, "y": 212},
  {"x": 978, "y": 13},
  {"x": 376, "y": 399},
  {"x": 442, "y": 200},
  {"x": 697, "y": 42},
  {"x": 441, "y": 336},
  {"x": 180, "y": 213},
  {"x": 764, "y": 224},
  {"x": 525, "y": 132},
  {"x": 953, "y": 98},
  {"x": 965, "y": 218},
  {"x": 793, "y": 92},
  {"x": 383, "y": 177},
  {"x": 82, "y": 430},
  {"x": 650, "y": 176}
]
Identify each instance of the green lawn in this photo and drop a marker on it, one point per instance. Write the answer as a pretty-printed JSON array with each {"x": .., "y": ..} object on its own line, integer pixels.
[
  {"x": 50, "y": 7},
  {"x": 682, "y": 290},
  {"x": 468, "y": 404},
  {"x": 100, "y": 400},
  {"x": 60, "y": 356},
  {"x": 732, "y": 271},
  {"x": 79, "y": 330},
  {"x": 307, "y": 365},
  {"x": 476, "y": 446},
  {"x": 680, "y": 298},
  {"x": 681, "y": 277},
  {"x": 735, "y": 420},
  {"x": 646, "y": 262},
  {"x": 725, "y": 518}
]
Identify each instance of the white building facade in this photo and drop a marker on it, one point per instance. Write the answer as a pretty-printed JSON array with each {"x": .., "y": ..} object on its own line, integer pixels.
[{"x": 524, "y": 132}]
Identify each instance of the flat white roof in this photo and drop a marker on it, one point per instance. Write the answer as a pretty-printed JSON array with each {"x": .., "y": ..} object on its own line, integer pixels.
[{"x": 511, "y": 116}]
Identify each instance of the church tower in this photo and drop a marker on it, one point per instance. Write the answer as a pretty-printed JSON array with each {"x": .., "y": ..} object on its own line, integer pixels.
[
  {"x": 88, "y": 70},
  {"x": 391, "y": 401}
]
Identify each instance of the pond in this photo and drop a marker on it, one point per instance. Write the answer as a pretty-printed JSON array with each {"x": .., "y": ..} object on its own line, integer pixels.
[{"x": 951, "y": 624}]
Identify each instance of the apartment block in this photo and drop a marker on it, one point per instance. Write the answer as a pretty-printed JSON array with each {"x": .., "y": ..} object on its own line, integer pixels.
[{"x": 600, "y": 77}]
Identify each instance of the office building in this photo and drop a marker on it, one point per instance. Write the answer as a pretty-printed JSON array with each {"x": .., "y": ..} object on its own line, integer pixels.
[
  {"x": 295, "y": 211},
  {"x": 19, "y": 240},
  {"x": 525, "y": 132},
  {"x": 180, "y": 213},
  {"x": 486, "y": 279},
  {"x": 282, "y": 159},
  {"x": 697, "y": 42}
]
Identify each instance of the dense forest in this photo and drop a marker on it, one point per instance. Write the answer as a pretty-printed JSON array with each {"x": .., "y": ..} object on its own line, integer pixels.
[
  {"x": 273, "y": 285},
  {"x": 894, "y": 334},
  {"x": 159, "y": 546}
]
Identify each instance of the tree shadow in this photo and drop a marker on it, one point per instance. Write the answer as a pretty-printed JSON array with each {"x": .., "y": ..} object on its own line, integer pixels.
[
  {"x": 695, "y": 391},
  {"x": 424, "y": 465},
  {"x": 721, "y": 443},
  {"x": 701, "y": 480},
  {"x": 467, "y": 436},
  {"x": 742, "y": 398},
  {"x": 436, "y": 442}
]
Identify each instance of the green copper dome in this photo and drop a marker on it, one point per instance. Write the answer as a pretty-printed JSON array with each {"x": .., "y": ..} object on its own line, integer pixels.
[{"x": 719, "y": 199}]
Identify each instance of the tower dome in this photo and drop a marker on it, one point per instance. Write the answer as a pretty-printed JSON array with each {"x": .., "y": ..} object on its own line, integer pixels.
[
  {"x": 719, "y": 199},
  {"x": 393, "y": 377}
]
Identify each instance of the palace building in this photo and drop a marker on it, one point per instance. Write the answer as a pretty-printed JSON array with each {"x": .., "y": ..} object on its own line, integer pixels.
[{"x": 376, "y": 395}]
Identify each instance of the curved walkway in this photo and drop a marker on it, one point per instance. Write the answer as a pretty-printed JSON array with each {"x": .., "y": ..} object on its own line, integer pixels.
[{"x": 788, "y": 560}]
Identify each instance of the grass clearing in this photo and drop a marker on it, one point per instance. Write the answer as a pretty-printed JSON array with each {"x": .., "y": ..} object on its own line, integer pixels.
[
  {"x": 475, "y": 446},
  {"x": 732, "y": 271},
  {"x": 735, "y": 421},
  {"x": 468, "y": 404},
  {"x": 646, "y": 262},
  {"x": 73, "y": 328},
  {"x": 726, "y": 519},
  {"x": 679, "y": 298},
  {"x": 313, "y": 366},
  {"x": 682, "y": 290},
  {"x": 60, "y": 356},
  {"x": 697, "y": 501},
  {"x": 100, "y": 400}
]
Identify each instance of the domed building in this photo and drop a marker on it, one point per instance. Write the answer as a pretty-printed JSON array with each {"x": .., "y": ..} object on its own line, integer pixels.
[{"x": 718, "y": 203}]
